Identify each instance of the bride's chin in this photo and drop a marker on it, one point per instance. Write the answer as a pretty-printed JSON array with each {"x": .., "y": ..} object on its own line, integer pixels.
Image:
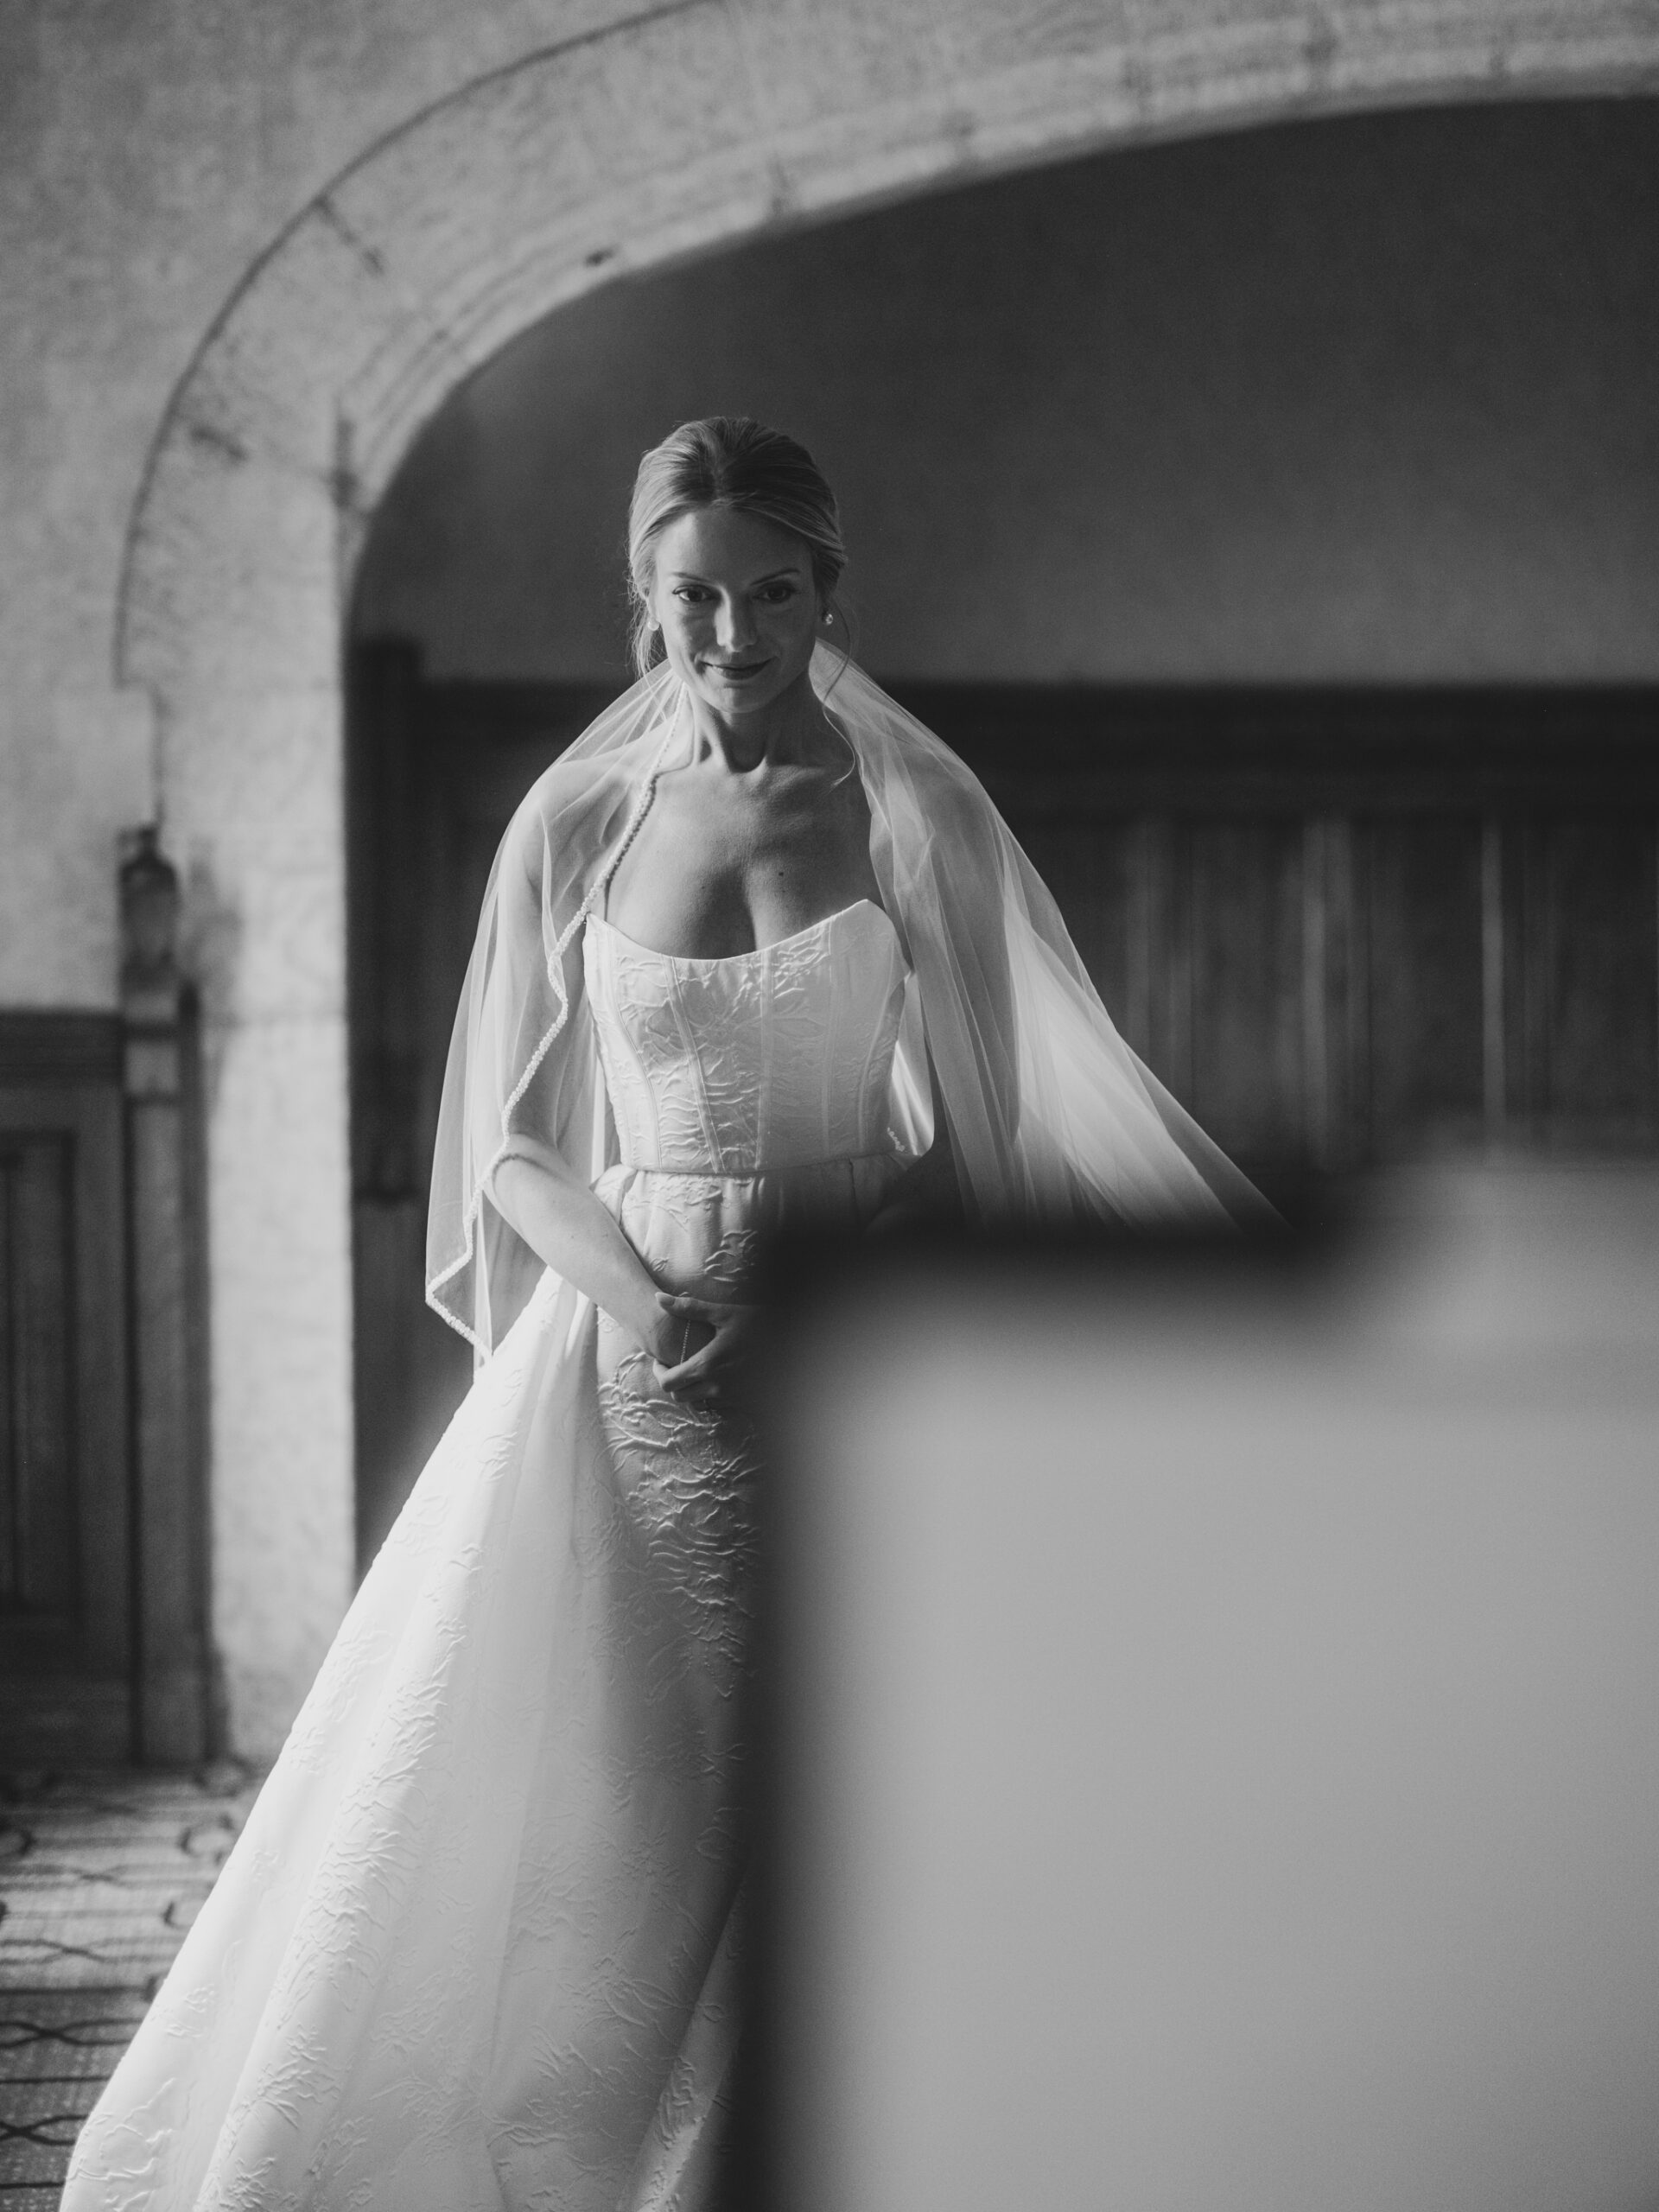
[{"x": 760, "y": 690}]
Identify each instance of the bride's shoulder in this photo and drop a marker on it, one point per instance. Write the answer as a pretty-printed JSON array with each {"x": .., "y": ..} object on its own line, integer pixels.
[
  {"x": 566, "y": 794},
  {"x": 569, "y": 781},
  {"x": 944, "y": 792},
  {"x": 560, "y": 828}
]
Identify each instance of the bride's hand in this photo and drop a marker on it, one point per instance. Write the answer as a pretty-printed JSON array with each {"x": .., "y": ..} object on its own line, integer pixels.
[
  {"x": 713, "y": 1340},
  {"x": 926, "y": 1196}
]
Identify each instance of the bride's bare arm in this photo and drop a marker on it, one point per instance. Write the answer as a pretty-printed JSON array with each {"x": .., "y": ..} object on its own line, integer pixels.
[
  {"x": 930, "y": 1190},
  {"x": 564, "y": 1224}
]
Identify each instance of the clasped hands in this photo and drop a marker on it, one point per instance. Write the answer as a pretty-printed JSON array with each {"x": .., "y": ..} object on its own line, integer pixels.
[{"x": 696, "y": 1346}]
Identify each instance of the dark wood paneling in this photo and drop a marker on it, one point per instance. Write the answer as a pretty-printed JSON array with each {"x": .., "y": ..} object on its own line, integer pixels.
[
  {"x": 1095, "y": 874},
  {"x": 1337, "y": 1072},
  {"x": 66, "y": 1642},
  {"x": 1479, "y": 926},
  {"x": 103, "y": 1511},
  {"x": 51, "y": 1047},
  {"x": 1246, "y": 926},
  {"x": 37, "y": 1540},
  {"x": 1426, "y": 981},
  {"x": 1600, "y": 981}
]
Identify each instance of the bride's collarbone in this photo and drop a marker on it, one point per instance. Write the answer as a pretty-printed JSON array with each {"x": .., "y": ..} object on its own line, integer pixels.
[{"x": 704, "y": 888}]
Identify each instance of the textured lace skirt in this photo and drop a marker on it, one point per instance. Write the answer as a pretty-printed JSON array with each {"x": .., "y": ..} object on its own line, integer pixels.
[{"x": 476, "y": 1948}]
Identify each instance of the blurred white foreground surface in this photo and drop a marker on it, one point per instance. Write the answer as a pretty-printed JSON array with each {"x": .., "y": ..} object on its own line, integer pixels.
[{"x": 1222, "y": 1729}]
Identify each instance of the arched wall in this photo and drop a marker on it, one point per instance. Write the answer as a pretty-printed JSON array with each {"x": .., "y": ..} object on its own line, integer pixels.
[{"x": 676, "y": 129}]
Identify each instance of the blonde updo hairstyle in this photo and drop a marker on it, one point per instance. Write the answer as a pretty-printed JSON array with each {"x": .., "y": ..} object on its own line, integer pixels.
[{"x": 728, "y": 460}]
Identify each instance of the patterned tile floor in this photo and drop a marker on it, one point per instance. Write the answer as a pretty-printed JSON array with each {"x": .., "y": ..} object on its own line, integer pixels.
[{"x": 100, "y": 1875}]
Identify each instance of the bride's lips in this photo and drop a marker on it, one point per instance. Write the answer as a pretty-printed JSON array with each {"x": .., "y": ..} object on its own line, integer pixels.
[{"x": 737, "y": 672}]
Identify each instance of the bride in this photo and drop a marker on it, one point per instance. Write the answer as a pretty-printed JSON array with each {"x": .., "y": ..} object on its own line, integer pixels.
[{"x": 757, "y": 947}]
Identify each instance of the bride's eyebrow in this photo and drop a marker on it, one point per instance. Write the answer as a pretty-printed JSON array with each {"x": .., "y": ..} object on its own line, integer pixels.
[{"x": 774, "y": 576}]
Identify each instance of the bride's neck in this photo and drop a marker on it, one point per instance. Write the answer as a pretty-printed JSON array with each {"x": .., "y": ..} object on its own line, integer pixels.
[{"x": 788, "y": 730}]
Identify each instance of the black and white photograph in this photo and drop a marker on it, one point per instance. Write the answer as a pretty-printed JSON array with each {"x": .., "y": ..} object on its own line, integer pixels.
[{"x": 828, "y": 1106}]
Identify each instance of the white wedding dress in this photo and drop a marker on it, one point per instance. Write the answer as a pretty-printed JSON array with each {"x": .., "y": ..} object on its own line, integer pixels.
[{"x": 477, "y": 1948}]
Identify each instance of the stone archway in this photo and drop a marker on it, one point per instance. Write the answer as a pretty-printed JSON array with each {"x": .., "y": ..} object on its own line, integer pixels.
[{"x": 677, "y": 128}]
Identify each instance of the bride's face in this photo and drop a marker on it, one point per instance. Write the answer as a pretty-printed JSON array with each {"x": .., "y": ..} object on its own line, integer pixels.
[{"x": 738, "y": 606}]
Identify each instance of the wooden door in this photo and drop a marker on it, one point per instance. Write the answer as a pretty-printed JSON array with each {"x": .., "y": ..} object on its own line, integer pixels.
[{"x": 65, "y": 1554}]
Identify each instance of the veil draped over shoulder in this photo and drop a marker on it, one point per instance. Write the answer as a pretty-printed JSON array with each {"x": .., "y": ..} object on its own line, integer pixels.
[{"x": 1052, "y": 1117}]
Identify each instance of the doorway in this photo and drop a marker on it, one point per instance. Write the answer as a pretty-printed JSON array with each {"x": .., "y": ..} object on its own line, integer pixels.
[{"x": 1267, "y": 621}]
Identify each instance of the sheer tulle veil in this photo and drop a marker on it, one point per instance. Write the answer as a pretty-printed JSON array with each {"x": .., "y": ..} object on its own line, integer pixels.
[{"x": 1052, "y": 1117}]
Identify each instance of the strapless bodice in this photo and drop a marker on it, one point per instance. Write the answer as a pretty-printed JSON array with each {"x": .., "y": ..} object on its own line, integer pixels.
[{"x": 779, "y": 1057}]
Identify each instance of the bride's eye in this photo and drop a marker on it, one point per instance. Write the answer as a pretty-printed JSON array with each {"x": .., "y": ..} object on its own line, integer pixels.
[{"x": 775, "y": 595}]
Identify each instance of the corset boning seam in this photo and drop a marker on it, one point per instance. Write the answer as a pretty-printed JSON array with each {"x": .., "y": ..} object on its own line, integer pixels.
[
  {"x": 606, "y": 1034},
  {"x": 687, "y": 1045},
  {"x": 768, "y": 1026}
]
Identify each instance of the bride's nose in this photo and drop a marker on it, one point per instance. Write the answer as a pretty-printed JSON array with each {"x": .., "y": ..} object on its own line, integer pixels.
[{"x": 733, "y": 626}]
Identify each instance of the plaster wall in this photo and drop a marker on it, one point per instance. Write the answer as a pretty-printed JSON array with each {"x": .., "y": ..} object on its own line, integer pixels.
[
  {"x": 1365, "y": 398},
  {"x": 149, "y": 153}
]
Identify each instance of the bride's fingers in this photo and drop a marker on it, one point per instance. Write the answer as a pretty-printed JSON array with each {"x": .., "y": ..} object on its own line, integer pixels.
[
  {"x": 690, "y": 1394},
  {"x": 684, "y": 1375},
  {"x": 717, "y": 1312},
  {"x": 723, "y": 1349},
  {"x": 689, "y": 1376},
  {"x": 703, "y": 1369}
]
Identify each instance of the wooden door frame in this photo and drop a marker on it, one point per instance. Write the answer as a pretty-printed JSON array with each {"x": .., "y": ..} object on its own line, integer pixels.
[{"x": 132, "y": 1679}]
